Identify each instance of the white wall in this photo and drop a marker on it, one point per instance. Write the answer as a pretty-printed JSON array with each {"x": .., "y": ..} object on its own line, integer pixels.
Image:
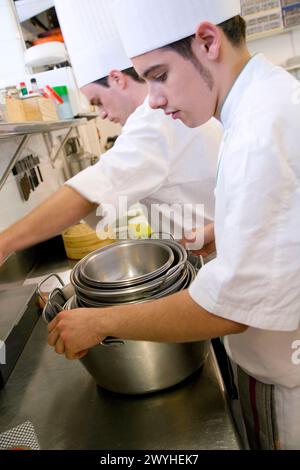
[
  {"x": 296, "y": 41},
  {"x": 11, "y": 45},
  {"x": 278, "y": 48},
  {"x": 107, "y": 129},
  {"x": 90, "y": 137},
  {"x": 28, "y": 8},
  {"x": 12, "y": 205}
]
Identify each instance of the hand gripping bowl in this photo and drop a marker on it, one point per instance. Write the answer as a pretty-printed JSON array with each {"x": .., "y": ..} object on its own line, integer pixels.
[{"x": 136, "y": 367}]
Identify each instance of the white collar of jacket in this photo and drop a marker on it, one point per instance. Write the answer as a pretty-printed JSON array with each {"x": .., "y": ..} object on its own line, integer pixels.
[{"x": 255, "y": 68}]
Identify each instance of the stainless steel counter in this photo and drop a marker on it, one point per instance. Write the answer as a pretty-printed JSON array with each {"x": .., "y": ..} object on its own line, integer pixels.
[{"x": 68, "y": 410}]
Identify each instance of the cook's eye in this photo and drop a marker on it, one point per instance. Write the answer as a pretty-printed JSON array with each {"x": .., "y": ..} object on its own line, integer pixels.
[{"x": 162, "y": 77}]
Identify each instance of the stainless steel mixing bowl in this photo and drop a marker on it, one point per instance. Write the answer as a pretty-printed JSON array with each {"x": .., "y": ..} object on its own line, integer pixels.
[{"x": 126, "y": 263}]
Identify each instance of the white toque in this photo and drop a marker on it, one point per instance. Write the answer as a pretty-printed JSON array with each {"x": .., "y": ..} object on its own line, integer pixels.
[
  {"x": 146, "y": 25},
  {"x": 91, "y": 38}
]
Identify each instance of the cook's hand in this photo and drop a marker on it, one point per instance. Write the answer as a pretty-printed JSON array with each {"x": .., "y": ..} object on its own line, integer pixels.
[
  {"x": 208, "y": 241},
  {"x": 206, "y": 250},
  {"x": 73, "y": 332}
]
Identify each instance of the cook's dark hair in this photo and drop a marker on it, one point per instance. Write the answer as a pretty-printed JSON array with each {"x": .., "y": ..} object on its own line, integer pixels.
[
  {"x": 130, "y": 72},
  {"x": 234, "y": 29}
]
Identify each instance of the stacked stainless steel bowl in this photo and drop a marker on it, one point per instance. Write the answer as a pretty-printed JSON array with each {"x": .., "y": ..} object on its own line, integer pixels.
[{"x": 131, "y": 271}]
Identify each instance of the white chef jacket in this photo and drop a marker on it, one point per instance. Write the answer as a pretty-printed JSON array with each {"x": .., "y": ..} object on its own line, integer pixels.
[
  {"x": 255, "y": 279},
  {"x": 157, "y": 160}
]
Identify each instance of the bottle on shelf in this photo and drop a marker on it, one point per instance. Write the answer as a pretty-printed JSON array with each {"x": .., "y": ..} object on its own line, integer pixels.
[
  {"x": 23, "y": 88},
  {"x": 64, "y": 108},
  {"x": 34, "y": 86}
]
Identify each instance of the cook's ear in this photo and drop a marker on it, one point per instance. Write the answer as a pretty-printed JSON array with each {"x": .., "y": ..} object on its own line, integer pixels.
[
  {"x": 117, "y": 78},
  {"x": 208, "y": 37}
]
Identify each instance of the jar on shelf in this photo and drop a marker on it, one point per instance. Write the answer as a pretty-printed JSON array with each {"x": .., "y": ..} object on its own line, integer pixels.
[{"x": 64, "y": 110}]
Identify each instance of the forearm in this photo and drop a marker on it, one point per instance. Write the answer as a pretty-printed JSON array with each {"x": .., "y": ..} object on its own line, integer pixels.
[
  {"x": 176, "y": 318},
  {"x": 209, "y": 233},
  {"x": 61, "y": 210}
]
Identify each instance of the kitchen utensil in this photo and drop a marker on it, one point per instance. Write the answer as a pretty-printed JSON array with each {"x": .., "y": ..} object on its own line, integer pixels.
[
  {"x": 25, "y": 187},
  {"x": 127, "y": 262},
  {"x": 139, "y": 367},
  {"x": 57, "y": 298},
  {"x": 37, "y": 163},
  {"x": 166, "y": 289},
  {"x": 135, "y": 367},
  {"x": 124, "y": 294}
]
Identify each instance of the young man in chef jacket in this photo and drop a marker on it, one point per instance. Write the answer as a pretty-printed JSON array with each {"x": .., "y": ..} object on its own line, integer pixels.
[
  {"x": 161, "y": 163},
  {"x": 194, "y": 57}
]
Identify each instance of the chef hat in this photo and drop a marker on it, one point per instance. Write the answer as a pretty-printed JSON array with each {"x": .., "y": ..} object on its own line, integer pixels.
[
  {"x": 91, "y": 38},
  {"x": 145, "y": 25}
]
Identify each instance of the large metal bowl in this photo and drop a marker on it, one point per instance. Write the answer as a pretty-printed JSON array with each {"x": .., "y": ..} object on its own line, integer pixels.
[
  {"x": 127, "y": 262},
  {"x": 140, "y": 367}
]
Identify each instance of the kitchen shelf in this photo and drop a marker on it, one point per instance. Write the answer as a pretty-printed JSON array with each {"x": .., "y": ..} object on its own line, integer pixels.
[
  {"x": 9, "y": 129},
  {"x": 26, "y": 130},
  {"x": 267, "y": 34},
  {"x": 88, "y": 116},
  {"x": 292, "y": 68}
]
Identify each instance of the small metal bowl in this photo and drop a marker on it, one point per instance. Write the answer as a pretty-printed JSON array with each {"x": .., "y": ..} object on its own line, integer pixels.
[{"x": 126, "y": 263}]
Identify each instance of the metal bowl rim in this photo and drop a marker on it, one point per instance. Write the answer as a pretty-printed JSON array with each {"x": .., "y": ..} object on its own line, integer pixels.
[{"x": 126, "y": 243}]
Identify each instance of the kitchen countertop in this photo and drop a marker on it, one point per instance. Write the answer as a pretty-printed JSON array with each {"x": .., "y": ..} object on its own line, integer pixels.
[{"x": 69, "y": 411}]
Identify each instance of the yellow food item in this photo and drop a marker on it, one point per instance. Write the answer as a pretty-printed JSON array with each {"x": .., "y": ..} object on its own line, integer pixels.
[
  {"x": 81, "y": 240},
  {"x": 140, "y": 230}
]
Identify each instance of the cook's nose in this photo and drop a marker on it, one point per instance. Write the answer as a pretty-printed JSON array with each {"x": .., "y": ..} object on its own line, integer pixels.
[
  {"x": 157, "y": 100},
  {"x": 104, "y": 114}
]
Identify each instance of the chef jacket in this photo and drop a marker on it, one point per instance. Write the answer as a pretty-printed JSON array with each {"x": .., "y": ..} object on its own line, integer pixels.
[
  {"x": 255, "y": 279},
  {"x": 157, "y": 161}
]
